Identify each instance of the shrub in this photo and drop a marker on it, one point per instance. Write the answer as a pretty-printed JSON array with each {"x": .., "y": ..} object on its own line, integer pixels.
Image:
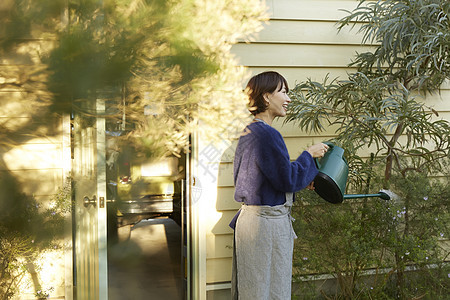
[
  {"x": 26, "y": 229},
  {"x": 377, "y": 249}
]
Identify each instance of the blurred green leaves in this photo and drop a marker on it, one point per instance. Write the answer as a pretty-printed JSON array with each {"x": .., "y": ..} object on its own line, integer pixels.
[
  {"x": 136, "y": 54},
  {"x": 164, "y": 69},
  {"x": 21, "y": 19}
]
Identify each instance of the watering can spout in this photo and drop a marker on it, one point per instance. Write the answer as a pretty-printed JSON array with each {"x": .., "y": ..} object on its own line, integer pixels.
[
  {"x": 381, "y": 195},
  {"x": 384, "y": 196}
]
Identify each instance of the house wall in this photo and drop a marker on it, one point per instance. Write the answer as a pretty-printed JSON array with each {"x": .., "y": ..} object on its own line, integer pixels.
[
  {"x": 35, "y": 150},
  {"x": 299, "y": 41}
]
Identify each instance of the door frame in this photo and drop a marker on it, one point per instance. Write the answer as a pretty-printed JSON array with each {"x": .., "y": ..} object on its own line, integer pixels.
[{"x": 98, "y": 268}]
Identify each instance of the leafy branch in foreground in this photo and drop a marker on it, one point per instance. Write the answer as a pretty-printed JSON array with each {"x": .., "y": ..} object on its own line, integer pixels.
[
  {"x": 373, "y": 113},
  {"x": 412, "y": 38},
  {"x": 380, "y": 106},
  {"x": 164, "y": 67}
]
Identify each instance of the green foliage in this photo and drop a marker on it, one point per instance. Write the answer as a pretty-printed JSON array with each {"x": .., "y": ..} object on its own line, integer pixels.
[
  {"x": 164, "y": 67},
  {"x": 21, "y": 18},
  {"x": 11, "y": 269},
  {"x": 373, "y": 112},
  {"x": 26, "y": 229},
  {"x": 366, "y": 244},
  {"x": 104, "y": 47},
  {"x": 413, "y": 38},
  {"x": 381, "y": 109},
  {"x": 380, "y": 105}
]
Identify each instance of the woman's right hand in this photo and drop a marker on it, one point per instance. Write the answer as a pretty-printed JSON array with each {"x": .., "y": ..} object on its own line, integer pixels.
[{"x": 318, "y": 150}]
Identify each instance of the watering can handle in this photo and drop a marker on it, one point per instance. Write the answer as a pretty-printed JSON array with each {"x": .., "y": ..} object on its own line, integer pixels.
[{"x": 329, "y": 144}]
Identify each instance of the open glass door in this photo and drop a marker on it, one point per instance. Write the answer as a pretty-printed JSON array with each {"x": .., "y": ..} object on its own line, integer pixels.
[{"x": 89, "y": 175}]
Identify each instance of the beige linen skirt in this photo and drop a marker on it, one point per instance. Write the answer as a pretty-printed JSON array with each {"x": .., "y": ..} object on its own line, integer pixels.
[{"x": 262, "y": 252}]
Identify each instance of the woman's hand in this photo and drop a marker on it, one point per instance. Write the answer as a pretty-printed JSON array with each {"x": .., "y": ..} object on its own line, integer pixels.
[{"x": 318, "y": 150}]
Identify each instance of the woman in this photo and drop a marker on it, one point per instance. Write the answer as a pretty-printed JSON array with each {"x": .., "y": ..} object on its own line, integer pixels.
[{"x": 265, "y": 180}]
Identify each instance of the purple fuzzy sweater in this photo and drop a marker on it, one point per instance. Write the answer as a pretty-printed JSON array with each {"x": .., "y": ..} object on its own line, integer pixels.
[{"x": 263, "y": 172}]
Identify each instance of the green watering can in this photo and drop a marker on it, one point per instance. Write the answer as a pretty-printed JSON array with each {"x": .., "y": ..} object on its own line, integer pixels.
[{"x": 331, "y": 181}]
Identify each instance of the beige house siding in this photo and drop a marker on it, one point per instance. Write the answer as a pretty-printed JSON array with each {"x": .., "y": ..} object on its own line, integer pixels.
[
  {"x": 300, "y": 41},
  {"x": 37, "y": 153}
]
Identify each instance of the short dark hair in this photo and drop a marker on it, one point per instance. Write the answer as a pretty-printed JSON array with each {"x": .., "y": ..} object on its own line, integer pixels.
[{"x": 259, "y": 85}]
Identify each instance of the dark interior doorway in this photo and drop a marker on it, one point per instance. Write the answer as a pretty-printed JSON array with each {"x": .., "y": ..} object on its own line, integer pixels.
[
  {"x": 148, "y": 264},
  {"x": 145, "y": 204}
]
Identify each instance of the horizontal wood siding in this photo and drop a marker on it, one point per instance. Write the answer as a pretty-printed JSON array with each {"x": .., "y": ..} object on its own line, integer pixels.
[
  {"x": 300, "y": 41},
  {"x": 317, "y": 10},
  {"x": 295, "y": 55},
  {"x": 291, "y": 31},
  {"x": 35, "y": 150},
  {"x": 35, "y": 154}
]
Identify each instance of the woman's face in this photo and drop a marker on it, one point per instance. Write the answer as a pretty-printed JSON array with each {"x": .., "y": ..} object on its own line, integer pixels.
[{"x": 278, "y": 102}]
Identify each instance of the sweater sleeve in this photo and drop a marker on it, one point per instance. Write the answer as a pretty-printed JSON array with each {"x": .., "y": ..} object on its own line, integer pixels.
[{"x": 275, "y": 164}]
